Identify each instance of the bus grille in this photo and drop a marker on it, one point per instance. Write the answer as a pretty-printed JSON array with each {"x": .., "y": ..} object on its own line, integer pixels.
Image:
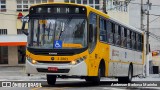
[{"x": 54, "y": 62}]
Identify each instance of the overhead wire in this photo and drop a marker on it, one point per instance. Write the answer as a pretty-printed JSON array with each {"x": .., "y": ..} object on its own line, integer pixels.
[{"x": 154, "y": 36}]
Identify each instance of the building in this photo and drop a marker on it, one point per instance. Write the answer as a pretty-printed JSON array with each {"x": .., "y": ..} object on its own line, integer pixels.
[
  {"x": 118, "y": 9},
  {"x": 154, "y": 25},
  {"x": 13, "y": 42}
]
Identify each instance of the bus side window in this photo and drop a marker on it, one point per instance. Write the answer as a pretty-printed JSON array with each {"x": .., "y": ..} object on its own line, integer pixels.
[
  {"x": 128, "y": 39},
  {"x": 92, "y": 31},
  {"x": 124, "y": 41},
  {"x": 102, "y": 29},
  {"x": 117, "y": 35},
  {"x": 137, "y": 42},
  {"x": 133, "y": 40},
  {"x": 113, "y": 33},
  {"x": 122, "y": 37},
  {"x": 109, "y": 32},
  {"x": 141, "y": 42},
  {"x": 125, "y": 37}
]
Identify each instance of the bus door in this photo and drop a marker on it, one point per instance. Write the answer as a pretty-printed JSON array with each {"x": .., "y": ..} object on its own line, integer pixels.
[{"x": 92, "y": 42}]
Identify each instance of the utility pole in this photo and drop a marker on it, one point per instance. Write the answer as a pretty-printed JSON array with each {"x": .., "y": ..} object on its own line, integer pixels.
[
  {"x": 142, "y": 28},
  {"x": 142, "y": 16},
  {"x": 147, "y": 40},
  {"x": 104, "y": 6}
]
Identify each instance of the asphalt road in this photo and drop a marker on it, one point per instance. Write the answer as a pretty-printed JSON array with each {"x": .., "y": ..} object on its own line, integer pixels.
[{"x": 82, "y": 85}]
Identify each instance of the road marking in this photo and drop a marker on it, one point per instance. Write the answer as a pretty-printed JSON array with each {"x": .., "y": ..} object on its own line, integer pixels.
[{"x": 36, "y": 88}]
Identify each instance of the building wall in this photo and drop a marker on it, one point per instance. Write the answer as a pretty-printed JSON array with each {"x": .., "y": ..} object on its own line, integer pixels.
[
  {"x": 13, "y": 55},
  {"x": 118, "y": 12},
  {"x": 8, "y": 20},
  {"x": 120, "y": 16}
]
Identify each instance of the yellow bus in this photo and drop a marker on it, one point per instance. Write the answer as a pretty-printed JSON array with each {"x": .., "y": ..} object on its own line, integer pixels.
[{"x": 73, "y": 40}]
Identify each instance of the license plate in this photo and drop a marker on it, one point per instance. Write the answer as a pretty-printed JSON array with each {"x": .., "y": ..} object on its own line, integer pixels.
[{"x": 52, "y": 69}]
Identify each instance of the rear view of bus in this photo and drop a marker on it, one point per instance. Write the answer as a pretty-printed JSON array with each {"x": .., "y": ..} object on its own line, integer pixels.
[{"x": 57, "y": 41}]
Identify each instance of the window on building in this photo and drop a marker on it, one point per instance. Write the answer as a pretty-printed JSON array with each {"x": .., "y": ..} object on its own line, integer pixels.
[
  {"x": 3, "y": 31},
  {"x": 90, "y": 1},
  {"x": 97, "y": 7},
  {"x": 93, "y": 3},
  {"x": 119, "y": 5},
  {"x": 32, "y": 1},
  {"x": 96, "y": 1},
  {"x": 23, "y": 5},
  {"x": 21, "y": 54},
  {"x": 67, "y": 1},
  {"x": 19, "y": 31},
  {"x": 85, "y": 1},
  {"x": 3, "y": 5},
  {"x": 4, "y": 55},
  {"x": 72, "y": 1},
  {"x": 79, "y": 1}
]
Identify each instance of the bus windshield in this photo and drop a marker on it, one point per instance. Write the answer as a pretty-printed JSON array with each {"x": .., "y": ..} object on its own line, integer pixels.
[{"x": 57, "y": 33}]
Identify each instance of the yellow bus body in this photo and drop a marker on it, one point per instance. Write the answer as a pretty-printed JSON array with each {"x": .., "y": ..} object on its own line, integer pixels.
[{"x": 101, "y": 52}]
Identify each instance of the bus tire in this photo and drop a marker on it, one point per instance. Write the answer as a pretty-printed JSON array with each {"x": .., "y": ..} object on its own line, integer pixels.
[
  {"x": 51, "y": 79},
  {"x": 95, "y": 79},
  {"x": 130, "y": 74},
  {"x": 88, "y": 79},
  {"x": 127, "y": 79}
]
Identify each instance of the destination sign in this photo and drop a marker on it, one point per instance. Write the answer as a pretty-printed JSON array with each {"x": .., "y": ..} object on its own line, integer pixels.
[{"x": 58, "y": 10}]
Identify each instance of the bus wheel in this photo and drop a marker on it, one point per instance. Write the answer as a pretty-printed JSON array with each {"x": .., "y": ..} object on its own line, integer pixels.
[
  {"x": 98, "y": 78},
  {"x": 130, "y": 74},
  {"x": 51, "y": 79},
  {"x": 95, "y": 79},
  {"x": 127, "y": 79}
]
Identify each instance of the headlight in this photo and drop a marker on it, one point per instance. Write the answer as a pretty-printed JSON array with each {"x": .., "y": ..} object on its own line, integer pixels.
[
  {"x": 34, "y": 62},
  {"x": 74, "y": 62},
  {"x": 31, "y": 61}
]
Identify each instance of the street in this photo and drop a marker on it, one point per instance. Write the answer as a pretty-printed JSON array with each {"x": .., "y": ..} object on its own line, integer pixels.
[
  {"x": 43, "y": 42},
  {"x": 18, "y": 79},
  {"x": 82, "y": 85}
]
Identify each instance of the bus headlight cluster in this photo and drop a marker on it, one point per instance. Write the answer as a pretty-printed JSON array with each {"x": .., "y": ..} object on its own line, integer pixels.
[
  {"x": 31, "y": 61},
  {"x": 79, "y": 60}
]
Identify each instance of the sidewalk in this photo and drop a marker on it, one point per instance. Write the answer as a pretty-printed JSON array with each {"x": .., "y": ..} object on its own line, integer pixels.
[
  {"x": 17, "y": 73},
  {"x": 12, "y": 71}
]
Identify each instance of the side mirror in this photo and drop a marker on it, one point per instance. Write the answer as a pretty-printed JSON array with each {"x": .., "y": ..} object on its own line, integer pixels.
[
  {"x": 91, "y": 32},
  {"x": 24, "y": 21}
]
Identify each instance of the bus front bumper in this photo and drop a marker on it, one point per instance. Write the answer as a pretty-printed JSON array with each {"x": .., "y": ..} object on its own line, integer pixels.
[{"x": 79, "y": 69}]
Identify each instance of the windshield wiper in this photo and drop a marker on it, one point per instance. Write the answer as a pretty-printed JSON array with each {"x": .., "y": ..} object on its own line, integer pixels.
[
  {"x": 64, "y": 25},
  {"x": 61, "y": 31},
  {"x": 49, "y": 30}
]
